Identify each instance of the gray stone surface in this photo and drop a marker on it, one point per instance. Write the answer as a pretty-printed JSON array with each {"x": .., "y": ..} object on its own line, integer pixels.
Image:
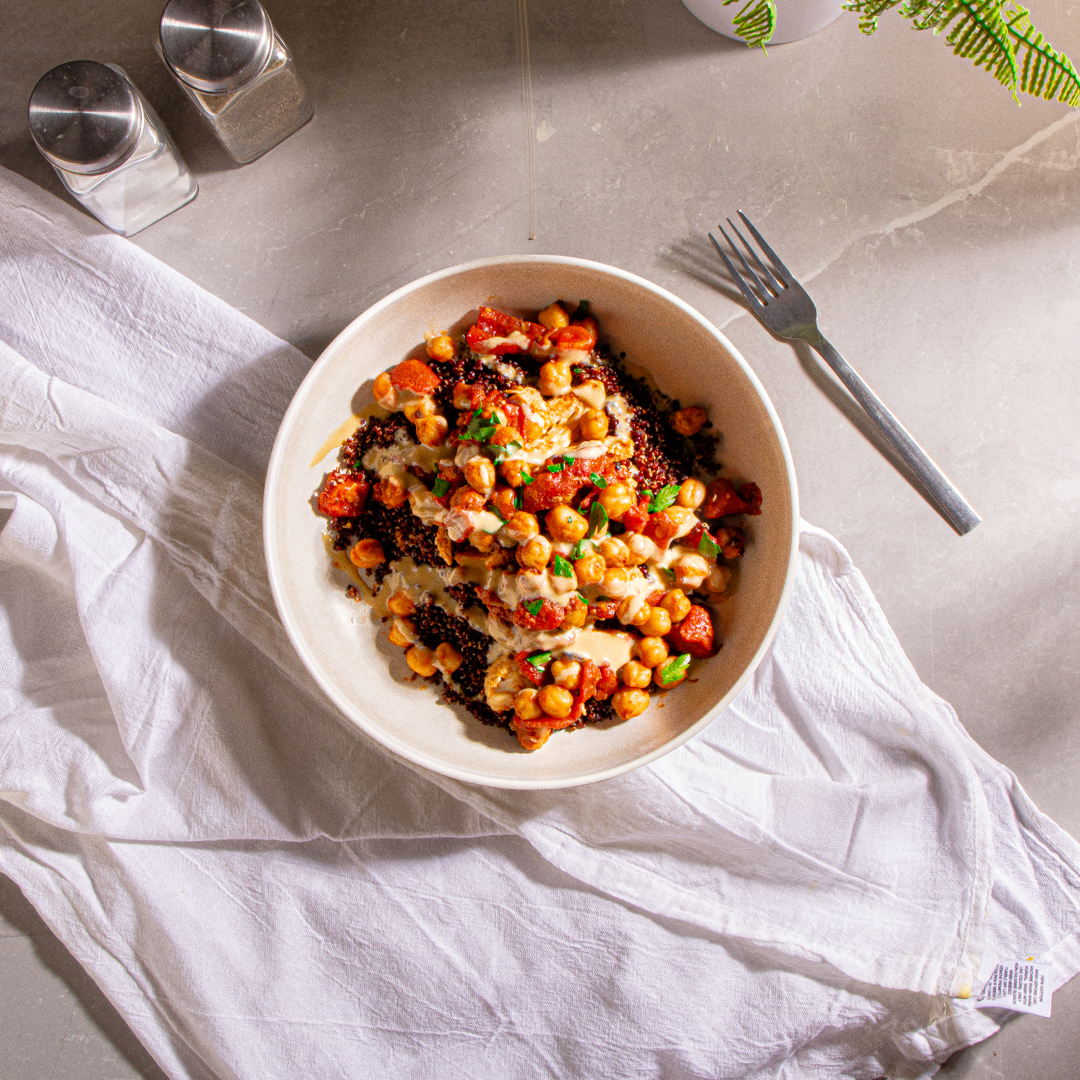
[{"x": 936, "y": 221}]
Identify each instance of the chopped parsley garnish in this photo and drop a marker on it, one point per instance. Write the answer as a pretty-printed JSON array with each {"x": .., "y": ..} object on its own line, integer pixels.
[
  {"x": 526, "y": 478},
  {"x": 502, "y": 452},
  {"x": 582, "y": 311},
  {"x": 671, "y": 671},
  {"x": 562, "y": 567},
  {"x": 440, "y": 488},
  {"x": 708, "y": 546},
  {"x": 580, "y": 550},
  {"x": 480, "y": 428},
  {"x": 538, "y": 660},
  {"x": 598, "y": 480},
  {"x": 598, "y": 519},
  {"x": 569, "y": 459},
  {"x": 533, "y": 606},
  {"x": 517, "y": 500},
  {"x": 556, "y": 466},
  {"x": 667, "y": 570},
  {"x": 663, "y": 498}
]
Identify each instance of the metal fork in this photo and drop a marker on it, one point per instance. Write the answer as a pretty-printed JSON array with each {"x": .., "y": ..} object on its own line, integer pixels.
[{"x": 785, "y": 307}]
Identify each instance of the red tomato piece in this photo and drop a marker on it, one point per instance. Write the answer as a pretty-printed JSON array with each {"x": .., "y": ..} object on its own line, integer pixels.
[
  {"x": 547, "y": 617},
  {"x": 608, "y": 683},
  {"x": 636, "y": 518},
  {"x": 694, "y": 635},
  {"x": 416, "y": 376},
  {"x": 534, "y": 674},
  {"x": 574, "y": 338},
  {"x": 343, "y": 494},
  {"x": 722, "y": 499},
  {"x": 497, "y": 324}
]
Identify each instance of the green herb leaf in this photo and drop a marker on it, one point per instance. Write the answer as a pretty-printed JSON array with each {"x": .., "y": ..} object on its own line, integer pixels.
[
  {"x": 502, "y": 452},
  {"x": 569, "y": 459},
  {"x": 598, "y": 480},
  {"x": 582, "y": 311},
  {"x": 557, "y": 466},
  {"x": 667, "y": 570},
  {"x": 580, "y": 550},
  {"x": 527, "y": 479},
  {"x": 598, "y": 520},
  {"x": 646, "y": 494},
  {"x": 498, "y": 513},
  {"x": 539, "y": 659},
  {"x": 663, "y": 498},
  {"x": 517, "y": 500},
  {"x": 708, "y": 546},
  {"x": 440, "y": 488},
  {"x": 562, "y": 567},
  {"x": 671, "y": 671},
  {"x": 533, "y": 606}
]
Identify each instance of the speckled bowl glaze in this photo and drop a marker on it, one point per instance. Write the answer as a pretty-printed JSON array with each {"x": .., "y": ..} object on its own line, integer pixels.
[{"x": 349, "y": 655}]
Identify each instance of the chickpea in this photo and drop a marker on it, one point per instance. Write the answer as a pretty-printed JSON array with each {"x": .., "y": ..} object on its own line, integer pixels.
[
  {"x": 535, "y": 553},
  {"x": 514, "y": 472},
  {"x": 641, "y": 549},
  {"x": 401, "y": 604},
  {"x": 531, "y": 737},
  {"x": 664, "y": 525},
  {"x": 504, "y": 435},
  {"x": 566, "y": 673},
  {"x": 718, "y": 580},
  {"x": 689, "y": 421},
  {"x": 366, "y": 554},
  {"x": 480, "y": 475},
  {"x": 691, "y": 493},
  {"x": 448, "y": 470},
  {"x": 691, "y": 571},
  {"x": 616, "y": 581},
  {"x": 555, "y": 378},
  {"x": 384, "y": 392},
  {"x": 521, "y": 526},
  {"x": 616, "y": 499},
  {"x": 503, "y": 501},
  {"x": 613, "y": 551},
  {"x": 576, "y": 614},
  {"x": 556, "y": 701},
  {"x": 431, "y": 430},
  {"x": 565, "y": 523},
  {"x": 448, "y": 658},
  {"x": 481, "y": 540},
  {"x": 467, "y": 499},
  {"x": 417, "y": 410},
  {"x": 463, "y": 396},
  {"x": 594, "y": 425},
  {"x": 592, "y": 392},
  {"x": 631, "y": 611},
  {"x": 658, "y": 678},
  {"x": 657, "y": 624},
  {"x": 390, "y": 491},
  {"x": 526, "y": 705},
  {"x": 403, "y": 633},
  {"x": 677, "y": 604},
  {"x": 652, "y": 651},
  {"x": 629, "y": 702},
  {"x": 590, "y": 569},
  {"x": 635, "y": 675},
  {"x": 442, "y": 347},
  {"x": 422, "y": 660},
  {"x": 553, "y": 317}
]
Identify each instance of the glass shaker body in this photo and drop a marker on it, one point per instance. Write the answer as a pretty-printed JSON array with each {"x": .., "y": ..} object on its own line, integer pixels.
[
  {"x": 144, "y": 182},
  {"x": 247, "y": 88}
]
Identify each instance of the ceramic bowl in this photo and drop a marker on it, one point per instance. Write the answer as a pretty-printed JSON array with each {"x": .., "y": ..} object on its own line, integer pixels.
[{"x": 349, "y": 655}]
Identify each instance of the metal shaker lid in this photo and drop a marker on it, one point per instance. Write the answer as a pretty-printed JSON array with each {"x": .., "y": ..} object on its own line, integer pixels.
[
  {"x": 216, "y": 45},
  {"x": 85, "y": 116}
]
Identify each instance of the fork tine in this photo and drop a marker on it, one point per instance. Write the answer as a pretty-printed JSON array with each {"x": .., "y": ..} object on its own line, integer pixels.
[
  {"x": 755, "y": 304},
  {"x": 778, "y": 266},
  {"x": 766, "y": 296},
  {"x": 776, "y": 286}
]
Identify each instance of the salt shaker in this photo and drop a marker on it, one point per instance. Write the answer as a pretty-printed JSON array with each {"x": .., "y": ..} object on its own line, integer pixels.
[
  {"x": 108, "y": 146},
  {"x": 229, "y": 60}
]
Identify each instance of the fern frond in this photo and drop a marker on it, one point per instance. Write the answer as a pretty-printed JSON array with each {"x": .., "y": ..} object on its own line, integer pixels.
[
  {"x": 1044, "y": 73},
  {"x": 756, "y": 21},
  {"x": 976, "y": 31},
  {"x": 869, "y": 11}
]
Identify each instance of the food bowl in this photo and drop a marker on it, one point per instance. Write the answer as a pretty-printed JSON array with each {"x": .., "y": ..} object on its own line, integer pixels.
[{"x": 348, "y": 653}]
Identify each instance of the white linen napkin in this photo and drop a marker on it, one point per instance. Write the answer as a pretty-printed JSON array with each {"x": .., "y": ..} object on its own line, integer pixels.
[{"x": 812, "y": 886}]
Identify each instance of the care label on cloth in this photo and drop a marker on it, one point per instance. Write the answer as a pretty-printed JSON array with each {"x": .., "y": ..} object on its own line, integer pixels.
[{"x": 1019, "y": 985}]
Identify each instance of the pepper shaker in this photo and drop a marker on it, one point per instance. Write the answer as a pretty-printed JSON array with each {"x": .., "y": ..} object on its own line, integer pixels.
[
  {"x": 108, "y": 146},
  {"x": 239, "y": 74}
]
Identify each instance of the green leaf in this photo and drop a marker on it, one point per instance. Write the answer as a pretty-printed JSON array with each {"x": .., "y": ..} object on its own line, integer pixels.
[
  {"x": 502, "y": 452},
  {"x": 440, "y": 488},
  {"x": 598, "y": 480},
  {"x": 663, "y": 498},
  {"x": 583, "y": 305},
  {"x": 539, "y": 659},
  {"x": 527, "y": 479},
  {"x": 671, "y": 671},
  {"x": 562, "y": 567},
  {"x": 667, "y": 570},
  {"x": 1044, "y": 73},
  {"x": 755, "y": 22},
  {"x": 579, "y": 550},
  {"x": 517, "y": 500},
  {"x": 598, "y": 519},
  {"x": 569, "y": 459},
  {"x": 708, "y": 546},
  {"x": 533, "y": 606}
]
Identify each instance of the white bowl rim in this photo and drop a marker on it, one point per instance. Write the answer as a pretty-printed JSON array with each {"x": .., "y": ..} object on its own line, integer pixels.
[{"x": 347, "y": 707}]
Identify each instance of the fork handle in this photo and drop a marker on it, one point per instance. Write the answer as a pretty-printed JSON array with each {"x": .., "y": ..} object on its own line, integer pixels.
[{"x": 952, "y": 505}]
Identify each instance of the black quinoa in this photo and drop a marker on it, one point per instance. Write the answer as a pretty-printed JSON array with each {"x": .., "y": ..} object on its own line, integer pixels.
[
  {"x": 435, "y": 625},
  {"x": 373, "y": 431},
  {"x": 466, "y": 595},
  {"x": 480, "y": 709}
]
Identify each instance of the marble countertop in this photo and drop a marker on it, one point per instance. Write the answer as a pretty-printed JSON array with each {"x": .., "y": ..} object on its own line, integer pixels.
[{"x": 927, "y": 211}]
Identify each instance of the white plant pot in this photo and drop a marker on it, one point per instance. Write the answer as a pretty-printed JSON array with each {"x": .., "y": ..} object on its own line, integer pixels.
[{"x": 794, "y": 18}]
